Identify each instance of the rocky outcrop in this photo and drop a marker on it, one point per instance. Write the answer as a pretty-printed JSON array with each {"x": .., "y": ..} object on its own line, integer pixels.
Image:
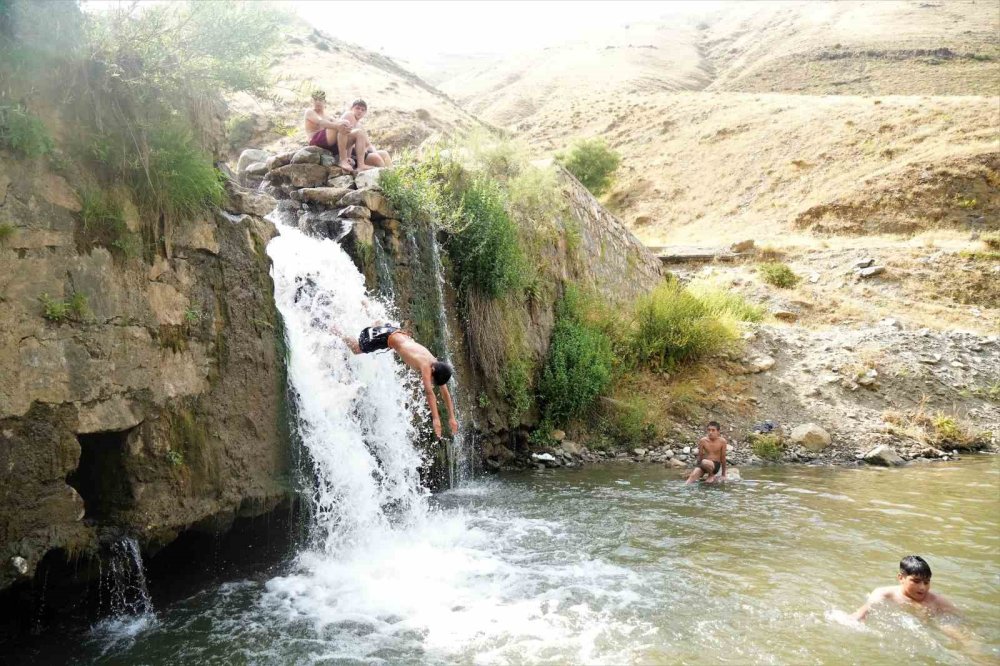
[{"x": 143, "y": 394}]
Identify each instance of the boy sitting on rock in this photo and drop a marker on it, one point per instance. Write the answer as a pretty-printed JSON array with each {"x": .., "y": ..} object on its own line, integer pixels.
[
  {"x": 344, "y": 136},
  {"x": 711, "y": 456}
]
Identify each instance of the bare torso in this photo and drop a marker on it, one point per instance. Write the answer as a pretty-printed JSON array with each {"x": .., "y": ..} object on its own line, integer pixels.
[
  {"x": 932, "y": 604},
  {"x": 312, "y": 121},
  {"x": 712, "y": 449},
  {"x": 412, "y": 352}
]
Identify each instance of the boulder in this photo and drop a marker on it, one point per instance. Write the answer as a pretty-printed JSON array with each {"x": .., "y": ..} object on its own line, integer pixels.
[
  {"x": 883, "y": 455},
  {"x": 871, "y": 271},
  {"x": 278, "y": 161},
  {"x": 639, "y": 452},
  {"x": 572, "y": 448},
  {"x": 327, "y": 196},
  {"x": 325, "y": 224},
  {"x": 785, "y": 315},
  {"x": 346, "y": 182},
  {"x": 356, "y": 212},
  {"x": 742, "y": 246},
  {"x": 251, "y": 202},
  {"x": 371, "y": 199},
  {"x": 367, "y": 178},
  {"x": 300, "y": 175},
  {"x": 760, "y": 364},
  {"x": 308, "y": 155},
  {"x": 256, "y": 169},
  {"x": 250, "y": 156},
  {"x": 810, "y": 437}
]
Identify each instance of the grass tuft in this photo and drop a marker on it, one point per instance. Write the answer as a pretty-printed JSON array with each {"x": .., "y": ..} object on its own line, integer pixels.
[
  {"x": 22, "y": 133},
  {"x": 778, "y": 274}
]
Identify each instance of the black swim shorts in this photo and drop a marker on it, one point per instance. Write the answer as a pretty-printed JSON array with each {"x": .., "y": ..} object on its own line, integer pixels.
[
  {"x": 716, "y": 466},
  {"x": 375, "y": 338}
]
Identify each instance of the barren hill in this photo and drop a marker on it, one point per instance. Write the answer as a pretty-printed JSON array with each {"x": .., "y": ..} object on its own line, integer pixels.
[
  {"x": 403, "y": 109},
  {"x": 779, "y": 118}
]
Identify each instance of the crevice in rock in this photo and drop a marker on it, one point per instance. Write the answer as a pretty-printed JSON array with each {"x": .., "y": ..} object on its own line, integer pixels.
[{"x": 101, "y": 478}]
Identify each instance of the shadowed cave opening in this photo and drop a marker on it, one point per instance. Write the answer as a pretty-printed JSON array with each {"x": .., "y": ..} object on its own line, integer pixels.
[{"x": 100, "y": 478}]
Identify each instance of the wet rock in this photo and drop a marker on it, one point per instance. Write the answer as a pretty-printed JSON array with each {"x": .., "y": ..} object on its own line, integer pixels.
[
  {"x": 300, "y": 175},
  {"x": 19, "y": 564},
  {"x": 883, "y": 455},
  {"x": 326, "y": 196},
  {"x": 309, "y": 155},
  {"x": 278, "y": 161},
  {"x": 256, "y": 169},
  {"x": 810, "y": 437},
  {"x": 371, "y": 199},
  {"x": 356, "y": 212}
]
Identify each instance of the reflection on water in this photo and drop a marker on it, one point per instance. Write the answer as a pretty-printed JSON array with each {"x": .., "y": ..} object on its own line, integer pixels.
[{"x": 623, "y": 564}]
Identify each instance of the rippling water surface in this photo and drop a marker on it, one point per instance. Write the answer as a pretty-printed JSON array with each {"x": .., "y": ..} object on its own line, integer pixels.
[{"x": 620, "y": 564}]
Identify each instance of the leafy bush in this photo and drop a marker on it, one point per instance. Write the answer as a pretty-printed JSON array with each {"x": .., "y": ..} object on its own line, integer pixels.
[
  {"x": 181, "y": 180},
  {"x": 516, "y": 385},
  {"x": 485, "y": 250},
  {"x": 593, "y": 164},
  {"x": 60, "y": 310},
  {"x": 672, "y": 326},
  {"x": 778, "y": 274},
  {"x": 727, "y": 304},
  {"x": 578, "y": 367},
  {"x": 769, "y": 447},
  {"x": 412, "y": 190},
  {"x": 23, "y": 133},
  {"x": 6, "y": 232}
]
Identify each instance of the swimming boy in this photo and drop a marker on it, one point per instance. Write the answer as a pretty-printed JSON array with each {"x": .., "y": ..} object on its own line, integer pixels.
[
  {"x": 433, "y": 372},
  {"x": 711, "y": 455},
  {"x": 913, "y": 591}
]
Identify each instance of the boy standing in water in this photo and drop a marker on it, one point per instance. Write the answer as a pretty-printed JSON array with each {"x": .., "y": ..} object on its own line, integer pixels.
[
  {"x": 913, "y": 590},
  {"x": 432, "y": 372},
  {"x": 711, "y": 455}
]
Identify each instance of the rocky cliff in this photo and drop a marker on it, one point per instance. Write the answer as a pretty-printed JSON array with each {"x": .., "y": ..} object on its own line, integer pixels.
[{"x": 134, "y": 397}]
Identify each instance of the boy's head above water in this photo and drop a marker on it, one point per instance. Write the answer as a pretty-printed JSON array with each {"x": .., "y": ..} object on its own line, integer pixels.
[{"x": 914, "y": 577}]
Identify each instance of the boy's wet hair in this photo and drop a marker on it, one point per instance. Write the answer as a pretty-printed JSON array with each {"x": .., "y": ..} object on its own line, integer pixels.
[
  {"x": 916, "y": 566},
  {"x": 360, "y": 102},
  {"x": 440, "y": 372},
  {"x": 319, "y": 95},
  {"x": 714, "y": 424}
]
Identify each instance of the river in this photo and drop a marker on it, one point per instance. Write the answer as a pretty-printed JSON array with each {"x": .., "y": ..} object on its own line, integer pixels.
[{"x": 619, "y": 564}]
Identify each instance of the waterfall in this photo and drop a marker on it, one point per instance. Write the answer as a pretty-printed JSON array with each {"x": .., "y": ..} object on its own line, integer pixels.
[
  {"x": 356, "y": 415},
  {"x": 123, "y": 580}
]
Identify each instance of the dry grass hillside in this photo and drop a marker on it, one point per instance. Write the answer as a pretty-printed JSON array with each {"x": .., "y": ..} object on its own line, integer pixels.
[
  {"x": 768, "y": 119},
  {"x": 403, "y": 109}
]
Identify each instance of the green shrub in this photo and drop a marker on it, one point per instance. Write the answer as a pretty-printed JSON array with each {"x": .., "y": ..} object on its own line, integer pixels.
[
  {"x": 578, "y": 367},
  {"x": 593, "y": 164},
  {"x": 947, "y": 429},
  {"x": 515, "y": 386},
  {"x": 769, "y": 447},
  {"x": 412, "y": 191},
  {"x": 485, "y": 249},
  {"x": 727, "y": 304},
  {"x": 60, "y": 310},
  {"x": 672, "y": 326},
  {"x": 181, "y": 180},
  {"x": 104, "y": 224},
  {"x": 175, "y": 458},
  {"x": 778, "y": 274},
  {"x": 631, "y": 424},
  {"x": 23, "y": 133},
  {"x": 7, "y": 231}
]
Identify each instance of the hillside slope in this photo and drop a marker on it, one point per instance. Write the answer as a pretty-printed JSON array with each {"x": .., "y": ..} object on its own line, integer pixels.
[
  {"x": 720, "y": 141},
  {"x": 403, "y": 109}
]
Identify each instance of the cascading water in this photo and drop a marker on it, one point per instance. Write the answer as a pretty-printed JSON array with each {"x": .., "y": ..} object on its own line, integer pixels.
[{"x": 123, "y": 578}]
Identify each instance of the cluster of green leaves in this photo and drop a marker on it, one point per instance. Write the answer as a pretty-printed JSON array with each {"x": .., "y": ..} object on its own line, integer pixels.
[
  {"x": 485, "y": 249},
  {"x": 516, "y": 385},
  {"x": 767, "y": 446},
  {"x": 671, "y": 326},
  {"x": 22, "y": 133},
  {"x": 6, "y": 232},
  {"x": 778, "y": 274},
  {"x": 579, "y": 364},
  {"x": 59, "y": 310},
  {"x": 631, "y": 423},
  {"x": 103, "y": 223},
  {"x": 593, "y": 164}
]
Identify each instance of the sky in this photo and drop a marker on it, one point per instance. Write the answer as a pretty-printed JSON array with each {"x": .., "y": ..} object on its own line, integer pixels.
[{"x": 417, "y": 30}]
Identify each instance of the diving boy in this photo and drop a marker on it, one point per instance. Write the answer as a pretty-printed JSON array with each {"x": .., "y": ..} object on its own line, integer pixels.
[
  {"x": 433, "y": 372},
  {"x": 913, "y": 591},
  {"x": 711, "y": 455}
]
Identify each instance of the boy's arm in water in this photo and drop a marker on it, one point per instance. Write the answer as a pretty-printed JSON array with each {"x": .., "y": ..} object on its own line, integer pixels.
[
  {"x": 425, "y": 375},
  {"x": 452, "y": 421},
  {"x": 352, "y": 343},
  {"x": 878, "y": 595}
]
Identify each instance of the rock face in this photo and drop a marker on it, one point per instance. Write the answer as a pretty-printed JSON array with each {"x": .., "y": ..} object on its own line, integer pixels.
[
  {"x": 884, "y": 456},
  {"x": 810, "y": 436},
  {"x": 156, "y": 406}
]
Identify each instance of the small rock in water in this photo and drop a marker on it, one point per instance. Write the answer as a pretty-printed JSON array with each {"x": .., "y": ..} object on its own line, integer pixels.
[{"x": 884, "y": 456}]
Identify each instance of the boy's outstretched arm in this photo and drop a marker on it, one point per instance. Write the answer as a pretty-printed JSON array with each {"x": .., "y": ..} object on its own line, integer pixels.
[
  {"x": 875, "y": 597},
  {"x": 452, "y": 421},
  {"x": 725, "y": 448},
  {"x": 431, "y": 400}
]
